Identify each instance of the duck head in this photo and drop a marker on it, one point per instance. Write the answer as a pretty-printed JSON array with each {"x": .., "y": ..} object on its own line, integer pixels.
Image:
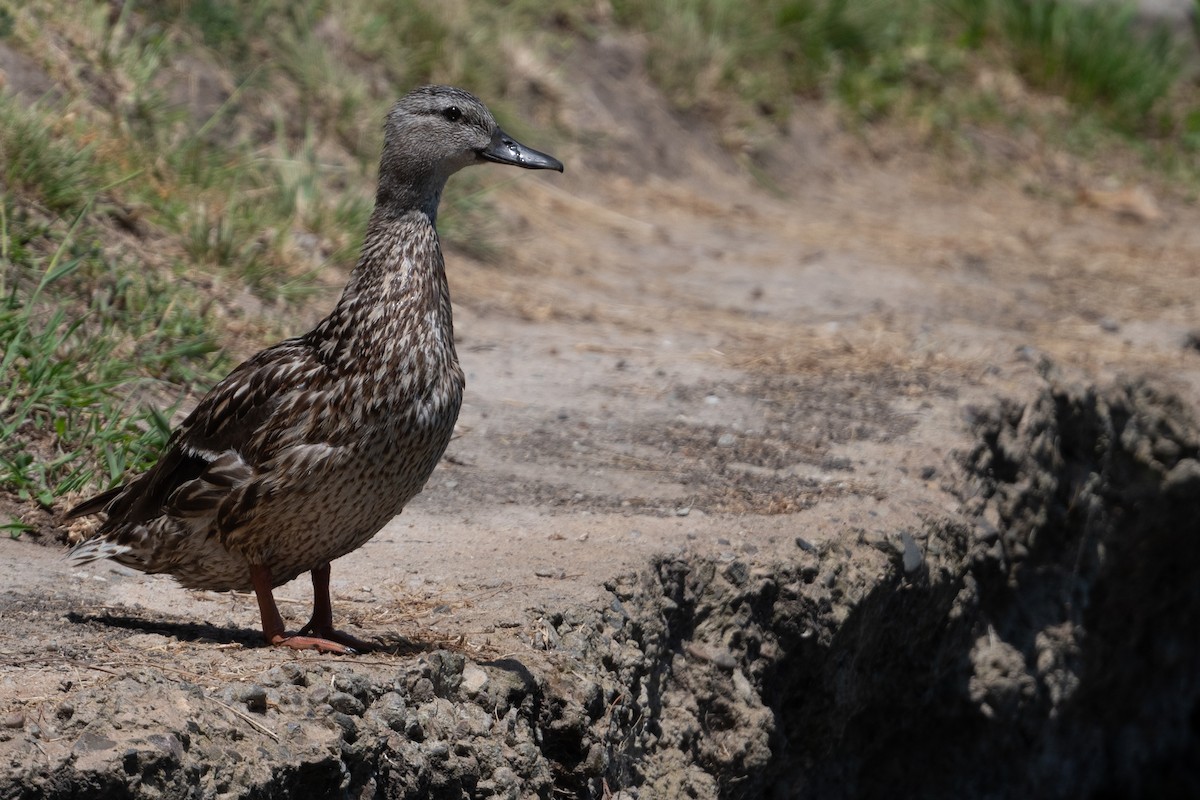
[{"x": 435, "y": 131}]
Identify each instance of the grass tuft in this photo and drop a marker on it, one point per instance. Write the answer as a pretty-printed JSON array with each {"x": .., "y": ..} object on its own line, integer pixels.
[
  {"x": 744, "y": 63},
  {"x": 42, "y": 163},
  {"x": 1092, "y": 54},
  {"x": 70, "y": 418}
]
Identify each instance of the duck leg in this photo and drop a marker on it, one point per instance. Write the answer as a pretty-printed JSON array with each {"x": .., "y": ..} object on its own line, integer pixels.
[
  {"x": 321, "y": 623},
  {"x": 272, "y": 622}
]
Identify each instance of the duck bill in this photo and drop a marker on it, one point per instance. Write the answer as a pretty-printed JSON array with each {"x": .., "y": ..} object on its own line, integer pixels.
[{"x": 503, "y": 149}]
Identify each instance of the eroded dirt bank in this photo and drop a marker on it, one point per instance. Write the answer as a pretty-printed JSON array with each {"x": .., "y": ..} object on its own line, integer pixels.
[{"x": 1043, "y": 646}]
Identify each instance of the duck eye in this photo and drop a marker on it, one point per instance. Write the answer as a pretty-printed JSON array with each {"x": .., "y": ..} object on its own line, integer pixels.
[{"x": 452, "y": 113}]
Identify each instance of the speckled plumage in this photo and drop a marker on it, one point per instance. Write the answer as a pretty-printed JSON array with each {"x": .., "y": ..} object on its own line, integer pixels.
[{"x": 309, "y": 448}]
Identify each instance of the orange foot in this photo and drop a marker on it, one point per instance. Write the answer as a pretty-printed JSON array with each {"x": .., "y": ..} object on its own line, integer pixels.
[
  {"x": 327, "y": 633},
  {"x": 337, "y": 643}
]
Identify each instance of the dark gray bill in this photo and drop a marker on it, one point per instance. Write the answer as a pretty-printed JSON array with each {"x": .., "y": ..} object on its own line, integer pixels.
[{"x": 503, "y": 149}]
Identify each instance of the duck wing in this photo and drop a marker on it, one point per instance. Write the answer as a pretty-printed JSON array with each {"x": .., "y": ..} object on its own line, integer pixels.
[{"x": 213, "y": 463}]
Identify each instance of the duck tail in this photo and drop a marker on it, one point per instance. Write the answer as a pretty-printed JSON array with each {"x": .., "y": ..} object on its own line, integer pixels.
[
  {"x": 95, "y": 504},
  {"x": 96, "y": 549}
]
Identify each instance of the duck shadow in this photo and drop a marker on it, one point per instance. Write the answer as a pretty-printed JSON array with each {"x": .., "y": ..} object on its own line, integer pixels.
[
  {"x": 183, "y": 631},
  {"x": 204, "y": 633}
]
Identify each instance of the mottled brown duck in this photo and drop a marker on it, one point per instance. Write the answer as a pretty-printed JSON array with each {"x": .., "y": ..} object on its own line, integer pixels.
[{"x": 305, "y": 451}]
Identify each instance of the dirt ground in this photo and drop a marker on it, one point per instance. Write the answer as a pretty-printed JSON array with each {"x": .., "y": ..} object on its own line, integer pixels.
[{"x": 751, "y": 497}]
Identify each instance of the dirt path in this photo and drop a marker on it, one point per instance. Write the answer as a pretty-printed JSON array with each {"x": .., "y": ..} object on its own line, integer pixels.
[{"x": 777, "y": 393}]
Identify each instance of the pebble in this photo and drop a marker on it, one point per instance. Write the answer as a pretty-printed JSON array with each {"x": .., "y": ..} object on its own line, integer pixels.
[
  {"x": 414, "y": 731},
  {"x": 294, "y": 674},
  {"x": 504, "y": 777},
  {"x": 319, "y": 695},
  {"x": 15, "y": 720},
  {"x": 348, "y": 726},
  {"x": 913, "y": 557},
  {"x": 392, "y": 711},
  {"x": 719, "y": 658},
  {"x": 346, "y": 703},
  {"x": 255, "y": 698},
  {"x": 474, "y": 678}
]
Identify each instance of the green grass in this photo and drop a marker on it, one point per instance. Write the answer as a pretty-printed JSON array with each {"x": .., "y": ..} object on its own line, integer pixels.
[
  {"x": 42, "y": 164},
  {"x": 69, "y": 415},
  {"x": 1090, "y": 54},
  {"x": 744, "y": 64}
]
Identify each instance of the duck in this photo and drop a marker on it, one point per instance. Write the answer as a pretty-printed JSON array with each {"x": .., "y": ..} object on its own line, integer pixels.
[{"x": 307, "y": 449}]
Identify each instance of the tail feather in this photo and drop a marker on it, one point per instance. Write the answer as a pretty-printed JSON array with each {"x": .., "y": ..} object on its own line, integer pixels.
[
  {"x": 95, "y": 504},
  {"x": 96, "y": 549}
]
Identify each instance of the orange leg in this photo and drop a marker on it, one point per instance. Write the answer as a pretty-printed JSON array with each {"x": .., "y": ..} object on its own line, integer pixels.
[
  {"x": 321, "y": 623},
  {"x": 272, "y": 622}
]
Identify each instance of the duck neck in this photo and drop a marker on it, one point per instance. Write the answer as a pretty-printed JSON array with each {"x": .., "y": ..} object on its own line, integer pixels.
[
  {"x": 394, "y": 314},
  {"x": 407, "y": 185}
]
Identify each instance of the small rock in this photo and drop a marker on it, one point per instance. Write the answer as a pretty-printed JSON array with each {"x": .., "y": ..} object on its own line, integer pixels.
[
  {"x": 391, "y": 711},
  {"x": 742, "y": 688},
  {"x": 504, "y": 777},
  {"x": 15, "y": 720},
  {"x": 348, "y": 725},
  {"x": 346, "y": 703},
  {"x": 719, "y": 658},
  {"x": 255, "y": 698},
  {"x": 1134, "y": 202},
  {"x": 353, "y": 683},
  {"x": 421, "y": 690},
  {"x": 913, "y": 557},
  {"x": 737, "y": 573},
  {"x": 474, "y": 679},
  {"x": 805, "y": 544},
  {"x": 91, "y": 741},
  {"x": 294, "y": 674},
  {"x": 726, "y": 440}
]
